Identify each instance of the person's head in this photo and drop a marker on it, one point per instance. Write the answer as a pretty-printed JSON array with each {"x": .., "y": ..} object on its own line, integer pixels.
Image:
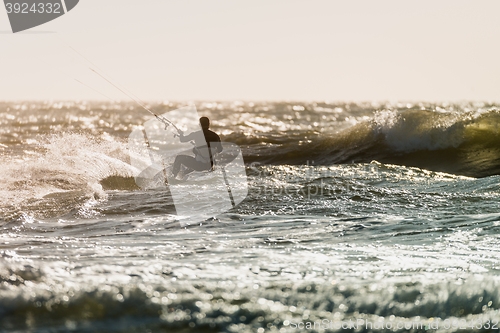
[{"x": 204, "y": 122}]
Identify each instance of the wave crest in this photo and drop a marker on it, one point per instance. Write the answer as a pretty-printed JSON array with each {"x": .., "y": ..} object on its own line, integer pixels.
[{"x": 466, "y": 143}]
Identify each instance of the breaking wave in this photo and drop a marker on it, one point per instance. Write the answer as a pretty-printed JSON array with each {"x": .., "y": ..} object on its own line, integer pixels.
[
  {"x": 63, "y": 174},
  {"x": 465, "y": 143}
]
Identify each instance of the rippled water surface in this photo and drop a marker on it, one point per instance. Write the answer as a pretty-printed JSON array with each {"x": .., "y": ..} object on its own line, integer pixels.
[{"x": 375, "y": 212}]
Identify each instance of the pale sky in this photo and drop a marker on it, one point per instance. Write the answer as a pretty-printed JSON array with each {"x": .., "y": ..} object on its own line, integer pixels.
[{"x": 259, "y": 50}]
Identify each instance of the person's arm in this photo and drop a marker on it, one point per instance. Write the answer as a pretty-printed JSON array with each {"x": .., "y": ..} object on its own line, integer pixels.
[{"x": 187, "y": 138}]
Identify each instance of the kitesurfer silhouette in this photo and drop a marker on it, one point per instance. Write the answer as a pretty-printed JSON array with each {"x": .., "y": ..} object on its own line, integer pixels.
[{"x": 205, "y": 147}]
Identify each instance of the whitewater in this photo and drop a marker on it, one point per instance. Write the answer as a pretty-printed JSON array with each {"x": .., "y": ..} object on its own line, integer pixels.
[{"x": 383, "y": 214}]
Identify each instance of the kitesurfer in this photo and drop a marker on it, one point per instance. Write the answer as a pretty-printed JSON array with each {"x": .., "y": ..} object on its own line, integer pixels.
[{"x": 206, "y": 147}]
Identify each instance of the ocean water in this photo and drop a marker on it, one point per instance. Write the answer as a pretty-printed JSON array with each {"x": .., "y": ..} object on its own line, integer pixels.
[{"x": 383, "y": 215}]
